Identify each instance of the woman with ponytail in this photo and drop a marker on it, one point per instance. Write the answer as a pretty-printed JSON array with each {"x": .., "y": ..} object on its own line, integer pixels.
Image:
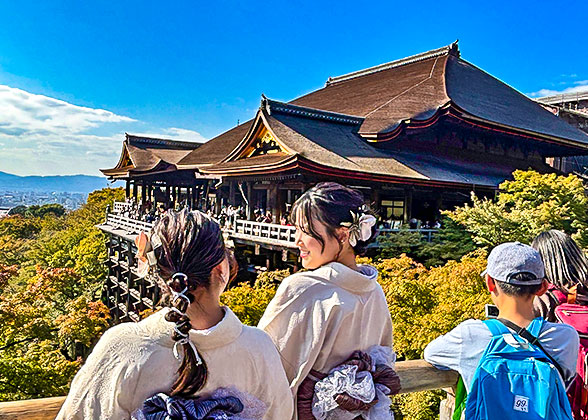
[
  {"x": 331, "y": 324},
  {"x": 191, "y": 360}
]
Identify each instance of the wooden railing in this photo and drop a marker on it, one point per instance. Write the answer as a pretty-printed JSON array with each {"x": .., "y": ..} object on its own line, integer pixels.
[
  {"x": 415, "y": 375},
  {"x": 127, "y": 224},
  {"x": 121, "y": 207},
  {"x": 269, "y": 233},
  {"x": 426, "y": 233},
  {"x": 265, "y": 233}
]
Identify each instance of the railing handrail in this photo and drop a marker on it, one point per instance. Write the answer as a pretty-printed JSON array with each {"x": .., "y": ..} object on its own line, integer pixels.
[
  {"x": 272, "y": 233},
  {"x": 423, "y": 230},
  {"x": 415, "y": 375},
  {"x": 135, "y": 225},
  {"x": 121, "y": 205}
]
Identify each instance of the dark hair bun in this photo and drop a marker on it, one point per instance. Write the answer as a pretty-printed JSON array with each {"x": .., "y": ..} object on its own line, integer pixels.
[{"x": 332, "y": 204}]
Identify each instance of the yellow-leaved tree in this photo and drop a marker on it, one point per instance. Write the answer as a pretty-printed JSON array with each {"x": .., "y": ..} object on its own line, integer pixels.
[{"x": 526, "y": 206}]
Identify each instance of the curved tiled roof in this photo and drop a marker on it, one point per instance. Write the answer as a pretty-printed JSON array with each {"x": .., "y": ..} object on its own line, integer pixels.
[
  {"x": 330, "y": 126},
  {"x": 148, "y": 154}
]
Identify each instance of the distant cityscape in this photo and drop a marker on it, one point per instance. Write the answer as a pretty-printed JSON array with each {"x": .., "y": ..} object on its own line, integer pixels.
[
  {"x": 69, "y": 191},
  {"x": 70, "y": 201}
]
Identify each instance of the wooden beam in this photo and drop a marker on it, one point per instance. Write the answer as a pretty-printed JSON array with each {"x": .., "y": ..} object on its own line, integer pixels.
[{"x": 415, "y": 375}]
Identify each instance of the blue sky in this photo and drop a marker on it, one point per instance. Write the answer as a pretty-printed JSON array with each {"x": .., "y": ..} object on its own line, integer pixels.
[{"x": 75, "y": 75}]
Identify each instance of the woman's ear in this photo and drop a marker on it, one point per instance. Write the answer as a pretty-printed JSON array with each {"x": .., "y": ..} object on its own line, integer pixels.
[
  {"x": 222, "y": 272},
  {"x": 342, "y": 234}
]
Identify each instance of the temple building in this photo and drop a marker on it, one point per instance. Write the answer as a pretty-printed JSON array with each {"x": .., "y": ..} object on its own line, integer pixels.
[
  {"x": 415, "y": 136},
  {"x": 573, "y": 108}
]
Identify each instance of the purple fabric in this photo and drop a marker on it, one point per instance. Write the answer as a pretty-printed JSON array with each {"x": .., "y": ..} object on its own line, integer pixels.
[{"x": 163, "y": 407}]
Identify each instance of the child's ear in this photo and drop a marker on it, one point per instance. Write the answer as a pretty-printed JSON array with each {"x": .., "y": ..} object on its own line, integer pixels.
[
  {"x": 490, "y": 284},
  {"x": 543, "y": 289}
]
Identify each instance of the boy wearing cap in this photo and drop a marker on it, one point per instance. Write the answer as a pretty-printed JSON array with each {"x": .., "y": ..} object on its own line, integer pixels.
[{"x": 514, "y": 276}]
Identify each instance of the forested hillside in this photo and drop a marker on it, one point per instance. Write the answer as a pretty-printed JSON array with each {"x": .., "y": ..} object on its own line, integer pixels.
[{"x": 50, "y": 277}]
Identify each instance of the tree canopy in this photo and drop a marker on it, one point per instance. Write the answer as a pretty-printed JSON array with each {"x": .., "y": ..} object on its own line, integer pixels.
[{"x": 50, "y": 276}]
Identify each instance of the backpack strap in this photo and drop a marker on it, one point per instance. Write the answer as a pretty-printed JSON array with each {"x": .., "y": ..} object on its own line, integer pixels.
[
  {"x": 496, "y": 327},
  {"x": 535, "y": 326}
]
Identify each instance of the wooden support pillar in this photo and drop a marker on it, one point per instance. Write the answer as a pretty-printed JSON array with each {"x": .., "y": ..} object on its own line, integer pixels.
[
  {"x": 407, "y": 205},
  {"x": 142, "y": 193},
  {"x": 135, "y": 190},
  {"x": 127, "y": 189},
  {"x": 174, "y": 196},
  {"x": 249, "y": 195},
  {"x": 167, "y": 196},
  {"x": 438, "y": 205},
  {"x": 273, "y": 201},
  {"x": 375, "y": 200},
  {"x": 232, "y": 193},
  {"x": 217, "y": 204},
  {"x": 206, "y": 191}
]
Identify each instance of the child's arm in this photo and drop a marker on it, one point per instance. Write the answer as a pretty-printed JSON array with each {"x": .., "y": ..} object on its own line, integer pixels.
[{"x": 445, "y": 351}]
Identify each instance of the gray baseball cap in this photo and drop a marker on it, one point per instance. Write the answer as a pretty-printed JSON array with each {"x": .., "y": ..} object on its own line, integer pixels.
[{"x": 511, "y": 258}]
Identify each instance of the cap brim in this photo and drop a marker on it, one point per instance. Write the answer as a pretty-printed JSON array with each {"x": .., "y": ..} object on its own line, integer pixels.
[{"x": 483, "y": 273}]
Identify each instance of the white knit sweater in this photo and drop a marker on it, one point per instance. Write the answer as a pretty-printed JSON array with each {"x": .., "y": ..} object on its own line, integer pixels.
[{"x": 132, "y": 362}]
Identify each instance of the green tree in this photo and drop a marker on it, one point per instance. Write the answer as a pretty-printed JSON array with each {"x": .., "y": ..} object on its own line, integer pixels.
[
  {"x": 526, "y": 206},
  {"x": 17, "y": 234},
  {"x": 52, "y": 308},
  {"x": 44, "y": 210}
]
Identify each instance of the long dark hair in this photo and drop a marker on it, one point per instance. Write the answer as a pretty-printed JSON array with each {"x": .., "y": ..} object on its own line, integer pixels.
[
  {"x": 331, "y": 204},
  {"x": 565, "y": 263},
  {"x": 192, "y": 244}
]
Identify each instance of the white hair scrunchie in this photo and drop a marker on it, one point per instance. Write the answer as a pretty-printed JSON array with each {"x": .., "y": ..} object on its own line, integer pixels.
[{"x": 361, "y": 227}]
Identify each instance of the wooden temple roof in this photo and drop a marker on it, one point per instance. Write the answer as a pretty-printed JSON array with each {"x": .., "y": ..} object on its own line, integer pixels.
[
  {"x": 326, "y": 143},
  {"x": 146, "y": 155},
  {"x": 343, "y": 128},
  {"x": 418, "y": 88}
]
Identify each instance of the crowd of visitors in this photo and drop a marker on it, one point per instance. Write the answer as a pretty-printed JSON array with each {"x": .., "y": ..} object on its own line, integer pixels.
[{"x": 323, "y": 348}]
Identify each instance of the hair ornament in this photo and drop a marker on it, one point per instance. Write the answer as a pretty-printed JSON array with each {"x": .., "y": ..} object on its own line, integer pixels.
[
  {"x": 360, "y": 229},
  {"x": 186, "y": 340},
  {"x": 182, "y": 294},
  {"x": 146, "y": 246}
]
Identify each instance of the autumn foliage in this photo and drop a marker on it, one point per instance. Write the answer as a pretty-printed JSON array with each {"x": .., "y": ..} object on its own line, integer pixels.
[{"x": 50, "y": 278}]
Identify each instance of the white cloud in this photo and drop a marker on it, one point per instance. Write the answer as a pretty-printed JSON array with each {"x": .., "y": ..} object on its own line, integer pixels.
[
  {"x": 582, "y": 87},
  {"x": 40, "y": 135},
  {"x": 24, "y": 113}
]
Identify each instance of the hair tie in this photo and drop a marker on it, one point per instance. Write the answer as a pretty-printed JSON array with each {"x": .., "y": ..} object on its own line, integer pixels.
[
  {"x": 181, "y": 295},
  {"x": 186, "y": 340}
]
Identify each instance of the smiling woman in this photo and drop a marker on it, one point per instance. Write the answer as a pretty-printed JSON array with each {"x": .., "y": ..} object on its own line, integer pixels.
[{"x": 336, "y": 313}]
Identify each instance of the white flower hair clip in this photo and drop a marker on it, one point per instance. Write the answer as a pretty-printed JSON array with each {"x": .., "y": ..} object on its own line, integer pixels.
[{"x": 360, "y": 229}]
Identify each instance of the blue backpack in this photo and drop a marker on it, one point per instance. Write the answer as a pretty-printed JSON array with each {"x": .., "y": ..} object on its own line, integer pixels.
[{"x": 516, "y": 379}]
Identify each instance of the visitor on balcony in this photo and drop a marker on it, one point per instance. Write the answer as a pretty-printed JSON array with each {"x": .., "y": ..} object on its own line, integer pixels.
[
  {"x": 333, "y": 316},
  {"x": 192, "y": 348},
  {"x": 566, "y": 270}
]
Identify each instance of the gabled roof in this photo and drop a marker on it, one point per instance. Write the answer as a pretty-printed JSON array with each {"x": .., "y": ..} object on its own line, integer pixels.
[
  {"x": 328, "y": 143},
  {"x": 216, "y": 149},
  {"x": 413, "y": 92},
  {"x": 417, "y": 88},
  {"x": 141, "y": 155}
]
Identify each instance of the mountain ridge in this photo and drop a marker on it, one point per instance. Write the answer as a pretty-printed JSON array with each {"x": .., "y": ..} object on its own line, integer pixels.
[{"x": 52, "y": 183}]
